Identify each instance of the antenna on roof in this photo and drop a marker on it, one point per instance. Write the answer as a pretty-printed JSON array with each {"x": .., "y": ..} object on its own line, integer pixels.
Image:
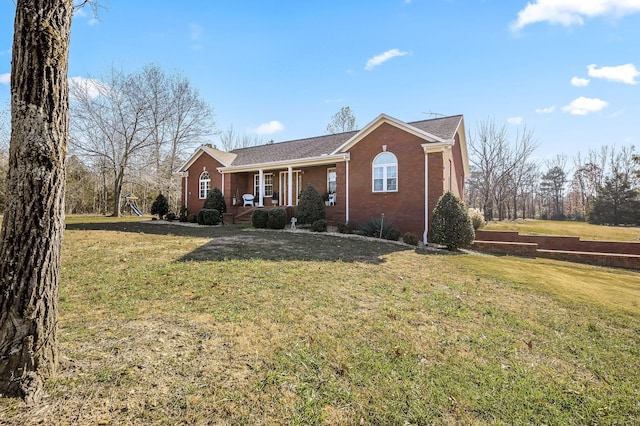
[{"x": 434, "y": 114}]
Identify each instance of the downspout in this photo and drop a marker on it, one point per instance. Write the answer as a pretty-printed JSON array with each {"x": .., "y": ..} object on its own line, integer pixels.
[
  {"x": 346, "y": 182},
  {"x": 186, "y": 189},
  {"x": 426, "y": 199}
]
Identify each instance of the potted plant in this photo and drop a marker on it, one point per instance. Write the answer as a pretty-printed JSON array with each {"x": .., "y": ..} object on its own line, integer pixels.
[{"x": 325, "y": 197}]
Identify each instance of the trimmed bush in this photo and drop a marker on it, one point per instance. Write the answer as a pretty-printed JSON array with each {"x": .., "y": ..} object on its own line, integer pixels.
[
  {"x": 208, "y": 217},
  {"x": 160, "y": 206},
  {"x": 372, "y": 227},
  {"x": 277, "y": 218},
  {"x": 192, "y": 218},
  {"x": 310, "y": 206},
  {"x": 319, "y": 225},
  {"x": 215, "y": 201},
  {"x": 171, "y": 217},
  {"x": 477, "y": 218},
  {"x": 410, "y": 238},
  {"x": 184, "y": 214},
  {"x": 450, "y": 224},
  {"x": 344, "y": 228},
  {"x": 260, "y": 218}
]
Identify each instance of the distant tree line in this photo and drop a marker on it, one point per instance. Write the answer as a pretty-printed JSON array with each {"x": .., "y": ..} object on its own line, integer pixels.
[{"x": 507, "y": 182}]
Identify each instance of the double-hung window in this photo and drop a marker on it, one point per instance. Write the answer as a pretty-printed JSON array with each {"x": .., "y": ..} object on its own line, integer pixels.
[
  {"x": 331, "y": 180},
  {"x": 205, "y": 185},
  {"x": 385, "y": 172},
  {"x": 268, "y": 184}
]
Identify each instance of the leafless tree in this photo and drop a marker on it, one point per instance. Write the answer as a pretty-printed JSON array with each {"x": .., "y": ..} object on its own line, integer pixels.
[
  {"x": 180, "y": 119},
  {"x": 342, "y": 121},
  {"x": 128, "y": 116},
  {"x": 499, "y": 166},
  {"x": 230, "y": 140},
  {"x": 33, "y": 223}
]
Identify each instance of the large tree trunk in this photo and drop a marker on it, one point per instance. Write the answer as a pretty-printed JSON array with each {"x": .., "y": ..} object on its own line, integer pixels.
[{"x": 33, "y": 222}]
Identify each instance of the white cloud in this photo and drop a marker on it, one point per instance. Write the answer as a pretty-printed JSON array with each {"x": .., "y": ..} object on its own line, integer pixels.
[
  {"x": 195, "y": 31},
  {"x": 580, "y": 82},
  {"x": 93, "y": 87},
  {"x": 584, "y": 106},
  {"x": 622, "y": 73},
  {"x": 383, "y": 57},
  {"x": 516, "y": 121},
  {"x": 570, "y": 12},
  {"x": 547, "y": 110},
  {"x": 5, "y": 78},
  {"x": 269, "y": 128}
]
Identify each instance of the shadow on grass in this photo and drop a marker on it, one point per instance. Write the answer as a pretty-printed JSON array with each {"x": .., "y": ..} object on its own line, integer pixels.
[{"x": 234, "y": 242}]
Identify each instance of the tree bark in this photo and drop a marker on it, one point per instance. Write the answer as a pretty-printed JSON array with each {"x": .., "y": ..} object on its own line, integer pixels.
[{"x": 33, "y": 223}]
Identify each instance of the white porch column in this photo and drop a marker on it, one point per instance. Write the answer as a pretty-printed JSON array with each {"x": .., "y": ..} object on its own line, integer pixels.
[
  {"x": 261, "y": 188},
  {"x": 290, "y": 186}
]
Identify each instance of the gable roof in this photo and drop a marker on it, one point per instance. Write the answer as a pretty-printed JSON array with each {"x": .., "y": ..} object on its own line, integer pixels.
[{"x": 327, "y": 147}]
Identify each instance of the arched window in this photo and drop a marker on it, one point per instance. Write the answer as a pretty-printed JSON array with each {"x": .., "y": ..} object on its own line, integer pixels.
[
  {"x": 205, "y": 184},
  {"x": 385, "y": 172}
]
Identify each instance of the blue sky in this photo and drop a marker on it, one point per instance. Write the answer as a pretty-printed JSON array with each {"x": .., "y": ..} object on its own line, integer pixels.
[{"x": 567, "y": 69}]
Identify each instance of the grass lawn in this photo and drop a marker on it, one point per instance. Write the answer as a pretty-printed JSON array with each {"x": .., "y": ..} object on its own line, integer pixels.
[
  {"x": 165, "y": 324},
  {"x": 580, "y": 229}
]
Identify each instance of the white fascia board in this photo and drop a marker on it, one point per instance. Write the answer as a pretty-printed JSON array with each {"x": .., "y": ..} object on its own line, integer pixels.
[
  {"x": 437, "y": 146},
  {"x": 190, "y": 160},
  {"x": 301, "y": 162},
  {"x": 463, "y": 147},
  {"x": 384, "y": 118}
]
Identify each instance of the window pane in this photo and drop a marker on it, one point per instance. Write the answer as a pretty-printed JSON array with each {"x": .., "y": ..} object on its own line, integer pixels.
[
  {"x": 392, "y": 184},
  {"x": 385, "y": 158},
  {"x": 378, "y": 173},
  {"x": 377, "y": 184},
  {"x": 392, "y": 172}
]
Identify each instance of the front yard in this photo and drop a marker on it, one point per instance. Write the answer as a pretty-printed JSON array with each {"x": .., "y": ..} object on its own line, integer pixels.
[{"x": 166, "y": 324}]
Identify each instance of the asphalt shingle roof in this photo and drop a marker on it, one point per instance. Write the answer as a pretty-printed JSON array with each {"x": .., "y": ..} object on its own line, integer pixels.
[{"x": 444, "y": 128}]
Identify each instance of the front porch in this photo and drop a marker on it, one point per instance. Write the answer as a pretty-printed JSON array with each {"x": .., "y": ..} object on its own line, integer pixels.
[{"x": 242, "y": 214}]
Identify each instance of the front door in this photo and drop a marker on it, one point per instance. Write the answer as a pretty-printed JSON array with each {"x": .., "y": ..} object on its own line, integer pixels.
[{"x": 284, "y": 187}]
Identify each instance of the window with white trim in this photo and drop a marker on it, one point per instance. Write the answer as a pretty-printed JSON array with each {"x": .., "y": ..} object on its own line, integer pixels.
[
  {"x": 268, "y": 184},
  {"x": 205, "y": 184},
  {"x": 385, "y": 172},
  {"x": 331, "y": 180}
]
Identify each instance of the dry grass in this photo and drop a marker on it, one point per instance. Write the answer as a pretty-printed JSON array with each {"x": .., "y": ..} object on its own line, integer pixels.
[
  {"x": 176, "y": 325},
  {"x": 579, "y": 229}
]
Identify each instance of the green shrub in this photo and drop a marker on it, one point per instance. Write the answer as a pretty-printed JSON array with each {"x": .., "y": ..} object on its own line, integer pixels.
[
  {"x": 344, "y": 228},
  {"x": 171, "y": 217},
  {"x": 277, "y": 218},
  {"x": 319, "y": 225},
  {"x": 208, "y": 217},
  {"x": 215, "y": 201},
  {"x": 450, "y": 224},
  {"x": 260, "y": 218},
  {"x": 192, "y": 218},
  {"x": 410, "y": 238},
  {"x": 184, "y": 214},
  {"x": 477, "y": 218},
  {"x": 310, "y": 206},
  {"x": 373, "y": 226},
  {"x": 160, "y": 206}
]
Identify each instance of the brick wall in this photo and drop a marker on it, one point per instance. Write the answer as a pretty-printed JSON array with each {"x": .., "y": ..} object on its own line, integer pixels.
[
  {"x": 203, "y": 163},
  {"x": 564, "y": 243},
  {"x": 404, "y": 208}
]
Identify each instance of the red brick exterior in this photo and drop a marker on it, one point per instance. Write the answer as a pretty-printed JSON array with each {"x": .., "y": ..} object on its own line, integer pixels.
[
  {"x": 202, "y": 163},
  {"x": 404, "y": 208}
]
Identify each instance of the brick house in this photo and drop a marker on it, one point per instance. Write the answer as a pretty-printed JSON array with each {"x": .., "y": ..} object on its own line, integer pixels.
[{"x": 389, "y": 167}]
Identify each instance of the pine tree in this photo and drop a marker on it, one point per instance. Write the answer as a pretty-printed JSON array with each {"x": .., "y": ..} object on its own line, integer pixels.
[
  {"x": 310, "y": 206},
  {"x": 160, "y": 206}
]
